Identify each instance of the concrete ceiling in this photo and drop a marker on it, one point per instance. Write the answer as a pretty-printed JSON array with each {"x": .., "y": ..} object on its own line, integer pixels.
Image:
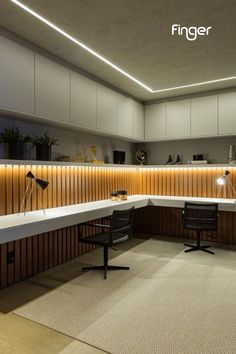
[{"x": 136, "y": 36}]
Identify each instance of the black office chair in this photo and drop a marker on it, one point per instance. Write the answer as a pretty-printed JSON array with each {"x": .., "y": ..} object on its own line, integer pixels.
[
  {"x": 119, "y": 230},
  {"x": 200, "y": 217}
]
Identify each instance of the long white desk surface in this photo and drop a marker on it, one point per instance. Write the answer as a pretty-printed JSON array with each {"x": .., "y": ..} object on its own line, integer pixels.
[{"x": 17, "y": 226}]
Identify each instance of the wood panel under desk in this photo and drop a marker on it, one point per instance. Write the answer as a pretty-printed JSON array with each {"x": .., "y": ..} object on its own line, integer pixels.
[
  {"x": 165, "y": 221},
  {"x": 37, "y": 253}
]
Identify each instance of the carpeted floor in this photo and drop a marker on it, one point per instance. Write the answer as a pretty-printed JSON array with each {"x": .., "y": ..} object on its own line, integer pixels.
[{"x": 169, "y": 302}]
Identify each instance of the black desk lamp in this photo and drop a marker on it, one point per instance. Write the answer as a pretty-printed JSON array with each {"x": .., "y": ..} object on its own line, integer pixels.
[
  {"x": 42, "y": 183},
  {"x": 224, "y": 181}
]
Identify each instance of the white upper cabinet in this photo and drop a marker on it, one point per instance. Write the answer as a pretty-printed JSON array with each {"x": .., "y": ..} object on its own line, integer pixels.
[
  {"x": 51, "y": 89},
  {"x": 16, "y": 77},
  {"x": 155, "y": 121},
  {"x": 178, "y": 119},
  {"x": 204, "y": 116},
  {"x": 83, "y": 101},
  {"x": 138, "y": 115},
  {"x": 106, "y": 109},
  {"x": 227, "y": 113},
  {"x": 124, "y": 116}
]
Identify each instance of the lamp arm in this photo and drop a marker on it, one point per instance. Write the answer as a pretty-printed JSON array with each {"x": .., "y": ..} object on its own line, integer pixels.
[
  {"x": 24, "y": 197},
  {"x": 218, "y": 194},
  {"x": 27, "y": 203},
  {"x": 231, "y": 185}
]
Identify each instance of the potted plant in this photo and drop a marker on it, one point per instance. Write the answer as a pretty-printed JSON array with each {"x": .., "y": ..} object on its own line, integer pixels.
[
  {"x": 15, "y": 141},
  {"x": 44, "y": 144}
]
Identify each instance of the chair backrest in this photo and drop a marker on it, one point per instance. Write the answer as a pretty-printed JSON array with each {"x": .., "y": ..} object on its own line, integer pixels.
[
  {"x": 200, "y": 216},
  {"x": 121, "y": 220}
]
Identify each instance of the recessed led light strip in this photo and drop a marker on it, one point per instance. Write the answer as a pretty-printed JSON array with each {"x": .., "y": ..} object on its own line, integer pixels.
[
  {"x": 85, "y": 47},
  {"x": 197, "y": 84},
  {"x": 100, "y": 57}
]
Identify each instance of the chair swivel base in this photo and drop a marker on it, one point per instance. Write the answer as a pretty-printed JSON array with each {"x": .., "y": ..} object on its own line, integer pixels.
[
  {"x": 197, "y": 248},
  {"x": 105, "y": 268}
]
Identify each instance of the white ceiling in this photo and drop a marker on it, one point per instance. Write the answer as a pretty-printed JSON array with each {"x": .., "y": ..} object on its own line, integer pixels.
[{"x": 136, "y": 36}]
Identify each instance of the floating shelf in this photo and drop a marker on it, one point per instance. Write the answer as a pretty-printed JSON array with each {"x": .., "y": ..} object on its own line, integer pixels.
[{"x": 108, "y": 165}]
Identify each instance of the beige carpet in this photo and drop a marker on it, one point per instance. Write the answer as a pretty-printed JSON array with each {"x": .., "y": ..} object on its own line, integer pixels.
[{"x": 168, "y": 303}]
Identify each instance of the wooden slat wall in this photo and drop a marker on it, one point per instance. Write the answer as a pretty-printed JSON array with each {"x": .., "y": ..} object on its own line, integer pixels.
[
  {"x": 71, "y": 185},
  {"x": 191, "y": 181},
  {"x": 67, "y": 185},
  {"x": 167, "y": 222}
]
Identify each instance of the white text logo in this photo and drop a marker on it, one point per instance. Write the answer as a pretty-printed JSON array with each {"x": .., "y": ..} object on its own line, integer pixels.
[{"x": 191, "y": 33}]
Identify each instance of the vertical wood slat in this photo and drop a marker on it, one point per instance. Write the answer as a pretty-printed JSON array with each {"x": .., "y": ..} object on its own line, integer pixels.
[{"x": 10, "y": 267}]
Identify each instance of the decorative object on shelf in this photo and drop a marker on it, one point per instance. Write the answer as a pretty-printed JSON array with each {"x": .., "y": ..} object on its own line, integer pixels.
[
  {"x": 224, "y": 181},
  {"x": 122, "y": 195},
  {"x": 169, "y": 161},
  {"x": 198, "y": 162},
  {"x": 78, "y": 158},
  {"x": 141, "y": 156},
  {"x": 15, "y": 141},
  {"x": 114, "y": 196},
  {"x": 232, "y": 154},
  {"x": 31, "y": 182},
  {"x": 119, "y": 195},
  {"x": 93, "y": 150},
  {"x": 177, "y": 160},
  {"x": 44, "y": 144},
  {"x": 119, "y": 157},
  {"x": 198, "y": 157},
  {"x": 64, "y": 158}
]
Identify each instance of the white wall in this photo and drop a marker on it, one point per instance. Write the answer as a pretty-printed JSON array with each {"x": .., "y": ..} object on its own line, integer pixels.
[
  {"x": 70, "y": 142},
  {"x": 213, "y": 149}
]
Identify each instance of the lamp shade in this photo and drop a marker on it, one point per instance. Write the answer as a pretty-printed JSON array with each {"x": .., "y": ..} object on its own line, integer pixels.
[
  {"x": 29, "y": 175},
  {"x": 42, "y": 183},
  {"x": 221, "y": 180}
]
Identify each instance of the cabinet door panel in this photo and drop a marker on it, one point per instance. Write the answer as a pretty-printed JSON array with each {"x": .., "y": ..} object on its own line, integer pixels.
[
  {"x": 178, "y": 119},
  {"x": 106, "y": 109},
  {"x": 16, "y": 76},
  {"x": 51, "y": 89},
  {"x": 204, "y": 120},
  {"x": 83, "y": 101},
  {"x": 138, "y": 114},
  {"x": 155, "y": 121},
  {"x": 227, "y": 113},
  {"x": 124, "y": 116}
]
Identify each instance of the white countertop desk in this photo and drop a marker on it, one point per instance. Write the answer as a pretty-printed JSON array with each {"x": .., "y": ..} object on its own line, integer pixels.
[{"x": 17, "y": 226}]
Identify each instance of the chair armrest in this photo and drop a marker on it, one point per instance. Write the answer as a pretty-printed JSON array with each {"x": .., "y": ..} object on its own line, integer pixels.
[
  {"x": 96, "y": 225},
  {"x": 123, "y": 229}
]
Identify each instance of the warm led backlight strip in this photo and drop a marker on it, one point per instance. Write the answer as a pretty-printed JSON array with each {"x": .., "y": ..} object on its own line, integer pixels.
[
  {"x": 106, "y": 61},
  {"x": 55, "y": 164}
]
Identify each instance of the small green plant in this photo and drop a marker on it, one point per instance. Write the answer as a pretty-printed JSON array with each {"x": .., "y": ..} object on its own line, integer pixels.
[
  {"x": 10, "y": 135},
  {"x": 44, "y": 139}
]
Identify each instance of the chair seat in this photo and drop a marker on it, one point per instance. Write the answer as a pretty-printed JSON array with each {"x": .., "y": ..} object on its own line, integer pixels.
[
  {"x": 200, "y": 227},
  {"x": 103, "y": 238}
]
